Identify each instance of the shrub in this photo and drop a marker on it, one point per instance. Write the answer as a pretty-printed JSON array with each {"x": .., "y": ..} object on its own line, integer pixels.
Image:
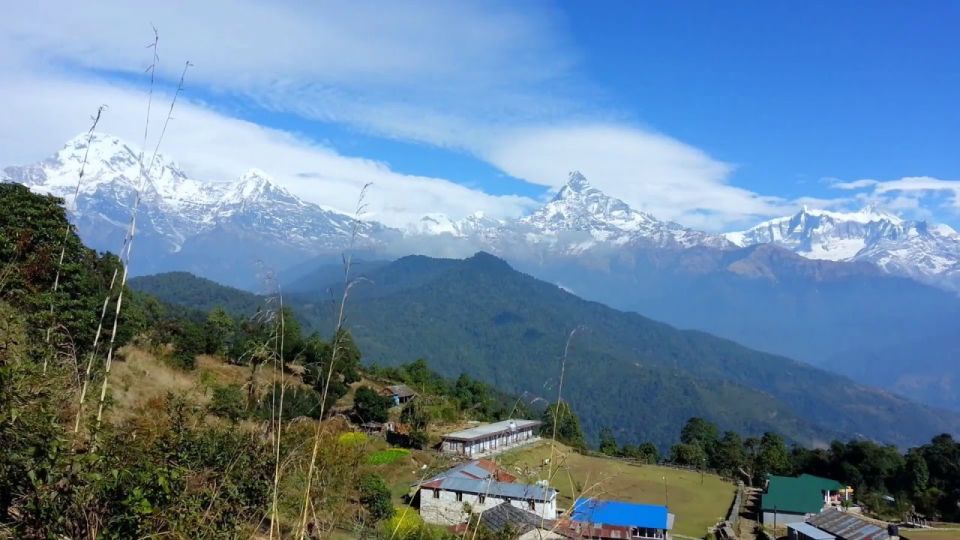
[
  {"x": 369, "y": 406},
  {"x": 375, "y": 496},
  {"x": 228, "y": 401}
]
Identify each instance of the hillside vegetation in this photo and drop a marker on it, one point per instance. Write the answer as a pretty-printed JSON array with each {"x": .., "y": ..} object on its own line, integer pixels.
[{"x": 481, "y": 317}]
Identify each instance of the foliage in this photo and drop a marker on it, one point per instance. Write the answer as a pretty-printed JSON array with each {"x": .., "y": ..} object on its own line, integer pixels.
[
  {"x": 220, "y": 330},
  {"x": 466, "y": 396},
  {"x": 31, "y": 234},
  {"x": 480, "y": 317},
  {"x": 186, "y": 289},
  {"x": 560, "y": 418},
  {"x": 228, "y": 401},
  {"x": 690, "y": 455},
  {"x": 387, "y": 456},
  {"x": 608, "y": 443},
  {"x": 353, "y": 439},
  {"x": 370, "y": 406},
  {"x": 375, "y": 496},
  {"x": 298, "y": 402},
  {"x": 414, "y": 415}
]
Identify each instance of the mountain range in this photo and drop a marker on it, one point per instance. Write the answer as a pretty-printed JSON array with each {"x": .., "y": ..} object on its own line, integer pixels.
[
  {"x": 624, "y": 371},
  {"x": 866, "y": 294}
]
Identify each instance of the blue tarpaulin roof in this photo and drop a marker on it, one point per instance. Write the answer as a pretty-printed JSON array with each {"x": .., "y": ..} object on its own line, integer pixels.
[{"x": 619, "y": 513}]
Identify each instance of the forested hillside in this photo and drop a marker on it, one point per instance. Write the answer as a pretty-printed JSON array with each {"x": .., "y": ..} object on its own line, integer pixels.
[{"x": 626, "y": 372}]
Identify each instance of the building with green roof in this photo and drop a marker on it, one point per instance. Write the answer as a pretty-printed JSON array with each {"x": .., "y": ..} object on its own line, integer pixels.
[{"x": 792, "y": 499}]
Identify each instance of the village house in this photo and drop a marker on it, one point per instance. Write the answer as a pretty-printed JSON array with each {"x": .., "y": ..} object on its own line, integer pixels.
[
  {"x": 833, "y": 524},
  {"x": 491, "y": 438},
  {"x": 399, "y": 393},
  {"x": 793, "y": 499},
  {"x": 477, "y": 486},
  {"x": 506, "y": 519},
  {"x": 608, "y": 520}
]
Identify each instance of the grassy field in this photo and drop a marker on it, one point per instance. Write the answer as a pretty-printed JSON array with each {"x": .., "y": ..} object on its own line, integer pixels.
[
  {"x": 931, "y": 534},
  {"x": 696, "y": 505}
]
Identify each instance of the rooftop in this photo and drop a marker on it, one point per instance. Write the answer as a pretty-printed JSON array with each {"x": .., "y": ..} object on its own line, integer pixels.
[
  {"x": 494, "y": 488},
  {"x": 399, "y": 390},
  {"x": 491, "y": 429},
  {"x": 848, "y": 526},
  {"x": 504, "y": 514},
  {"x": 622, "y": 514},
  {"x": 799, "y": 495},
  {"x": 810, "y": 531},
  {"x": 478, "y": 469}
]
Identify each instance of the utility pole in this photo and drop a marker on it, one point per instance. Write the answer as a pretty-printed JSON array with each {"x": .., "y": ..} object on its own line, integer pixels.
[{"x": 666, "y": 495}]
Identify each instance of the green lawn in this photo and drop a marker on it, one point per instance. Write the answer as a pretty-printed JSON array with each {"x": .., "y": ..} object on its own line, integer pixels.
[
  {"x": 697, "y": 503},
  {"x": 930, "y": 534}
]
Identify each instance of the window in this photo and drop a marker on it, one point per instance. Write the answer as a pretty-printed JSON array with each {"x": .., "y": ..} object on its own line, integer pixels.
[
  {"x": 482, "y": 498},
  {"x": 436, "y": 494},
  {"x": 459, "y": 496}
]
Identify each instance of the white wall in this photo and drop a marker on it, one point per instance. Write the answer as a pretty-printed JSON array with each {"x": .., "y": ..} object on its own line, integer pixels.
[
  {"x": 447, "y": 510},
  {"x": 782, "y": 518}
]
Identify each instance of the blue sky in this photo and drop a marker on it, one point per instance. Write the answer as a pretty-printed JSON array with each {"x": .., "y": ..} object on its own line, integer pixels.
[{"x": 716, "y": 115}]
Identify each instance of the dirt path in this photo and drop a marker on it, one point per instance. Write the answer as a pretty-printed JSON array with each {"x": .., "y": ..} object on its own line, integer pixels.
[{"x": 749, "y": 514}]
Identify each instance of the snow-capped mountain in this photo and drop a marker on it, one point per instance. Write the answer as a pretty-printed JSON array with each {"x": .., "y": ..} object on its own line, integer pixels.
[
  {"x": 581, "y": 208},
  {"x": 577, "y": 219},
  {"x": 254, "y": 216},
  {"x": 216, "y": 228},
  {"x": 929, "y": 253}
]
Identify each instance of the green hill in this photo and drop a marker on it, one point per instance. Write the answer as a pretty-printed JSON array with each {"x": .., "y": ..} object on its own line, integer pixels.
[{"x": 640, "y": 377}]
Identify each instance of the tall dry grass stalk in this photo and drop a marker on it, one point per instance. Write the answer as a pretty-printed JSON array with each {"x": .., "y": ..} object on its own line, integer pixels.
[
  {"x": 124, "y": 249},
  {"x": 277, "y": 412},
  {"x": 67, "y": 228},
  {"x": 145, "y": 175},
  {"x": 337, "y": 338},
  {"x": 557, "y": 411}
]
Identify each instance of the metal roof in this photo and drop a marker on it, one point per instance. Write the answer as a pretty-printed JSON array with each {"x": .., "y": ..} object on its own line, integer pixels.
[
  {"x": 622, "y": 514},
  {"x": 810, "y": 531},
  {"x": 471, "y": 470},
  {"x": 800, "y": 495},
  {"x": 504, "y": 514},
  {"x": 848, "y": 526},
  {"x": 400, "y": 390},
  {"x": 504, "y": 490},
  {"x": 491, "y": 429}
]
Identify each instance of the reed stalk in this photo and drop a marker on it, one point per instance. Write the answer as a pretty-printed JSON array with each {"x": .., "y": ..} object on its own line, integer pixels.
[
  {"x": 348, "y": 284},
  {"x": 67, "y": 227},
  {"x": 145, "y": 175}
]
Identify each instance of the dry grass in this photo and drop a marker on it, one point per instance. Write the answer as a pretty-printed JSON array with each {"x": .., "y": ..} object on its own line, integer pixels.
[
  {"x": 696, "y": 506},
  {"x": 141, "y": 378}
]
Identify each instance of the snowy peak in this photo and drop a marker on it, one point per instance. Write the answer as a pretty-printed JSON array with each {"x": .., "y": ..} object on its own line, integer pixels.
[
  {"x": 872, "y": 234},
  {"x": 175, "y": 207},
  {"x": 580, "y": 209},
  {"x": 256, "y": 185},
  {"x": 577, "y": 184}
]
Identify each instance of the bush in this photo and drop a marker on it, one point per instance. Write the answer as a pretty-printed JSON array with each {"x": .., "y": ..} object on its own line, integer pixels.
[
  {"x": 385, "y": 457},
  {"x": 369, "y": 406},
  {"x": 297, "y": 402},
  {"x": 375, "y": 496},
  {"x": 229, "y": 402}
]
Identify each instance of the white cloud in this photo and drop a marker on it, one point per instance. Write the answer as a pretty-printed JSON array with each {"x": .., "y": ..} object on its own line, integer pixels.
[
  {"x": 649, "y": 171},
  {"x": 855, "y": 184},
  {"x": 212, "y": 146},
  {"x": 922, "y": 184},
  {"x": 418, "y": 69},
  {"x": 496, "y": 80}
]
